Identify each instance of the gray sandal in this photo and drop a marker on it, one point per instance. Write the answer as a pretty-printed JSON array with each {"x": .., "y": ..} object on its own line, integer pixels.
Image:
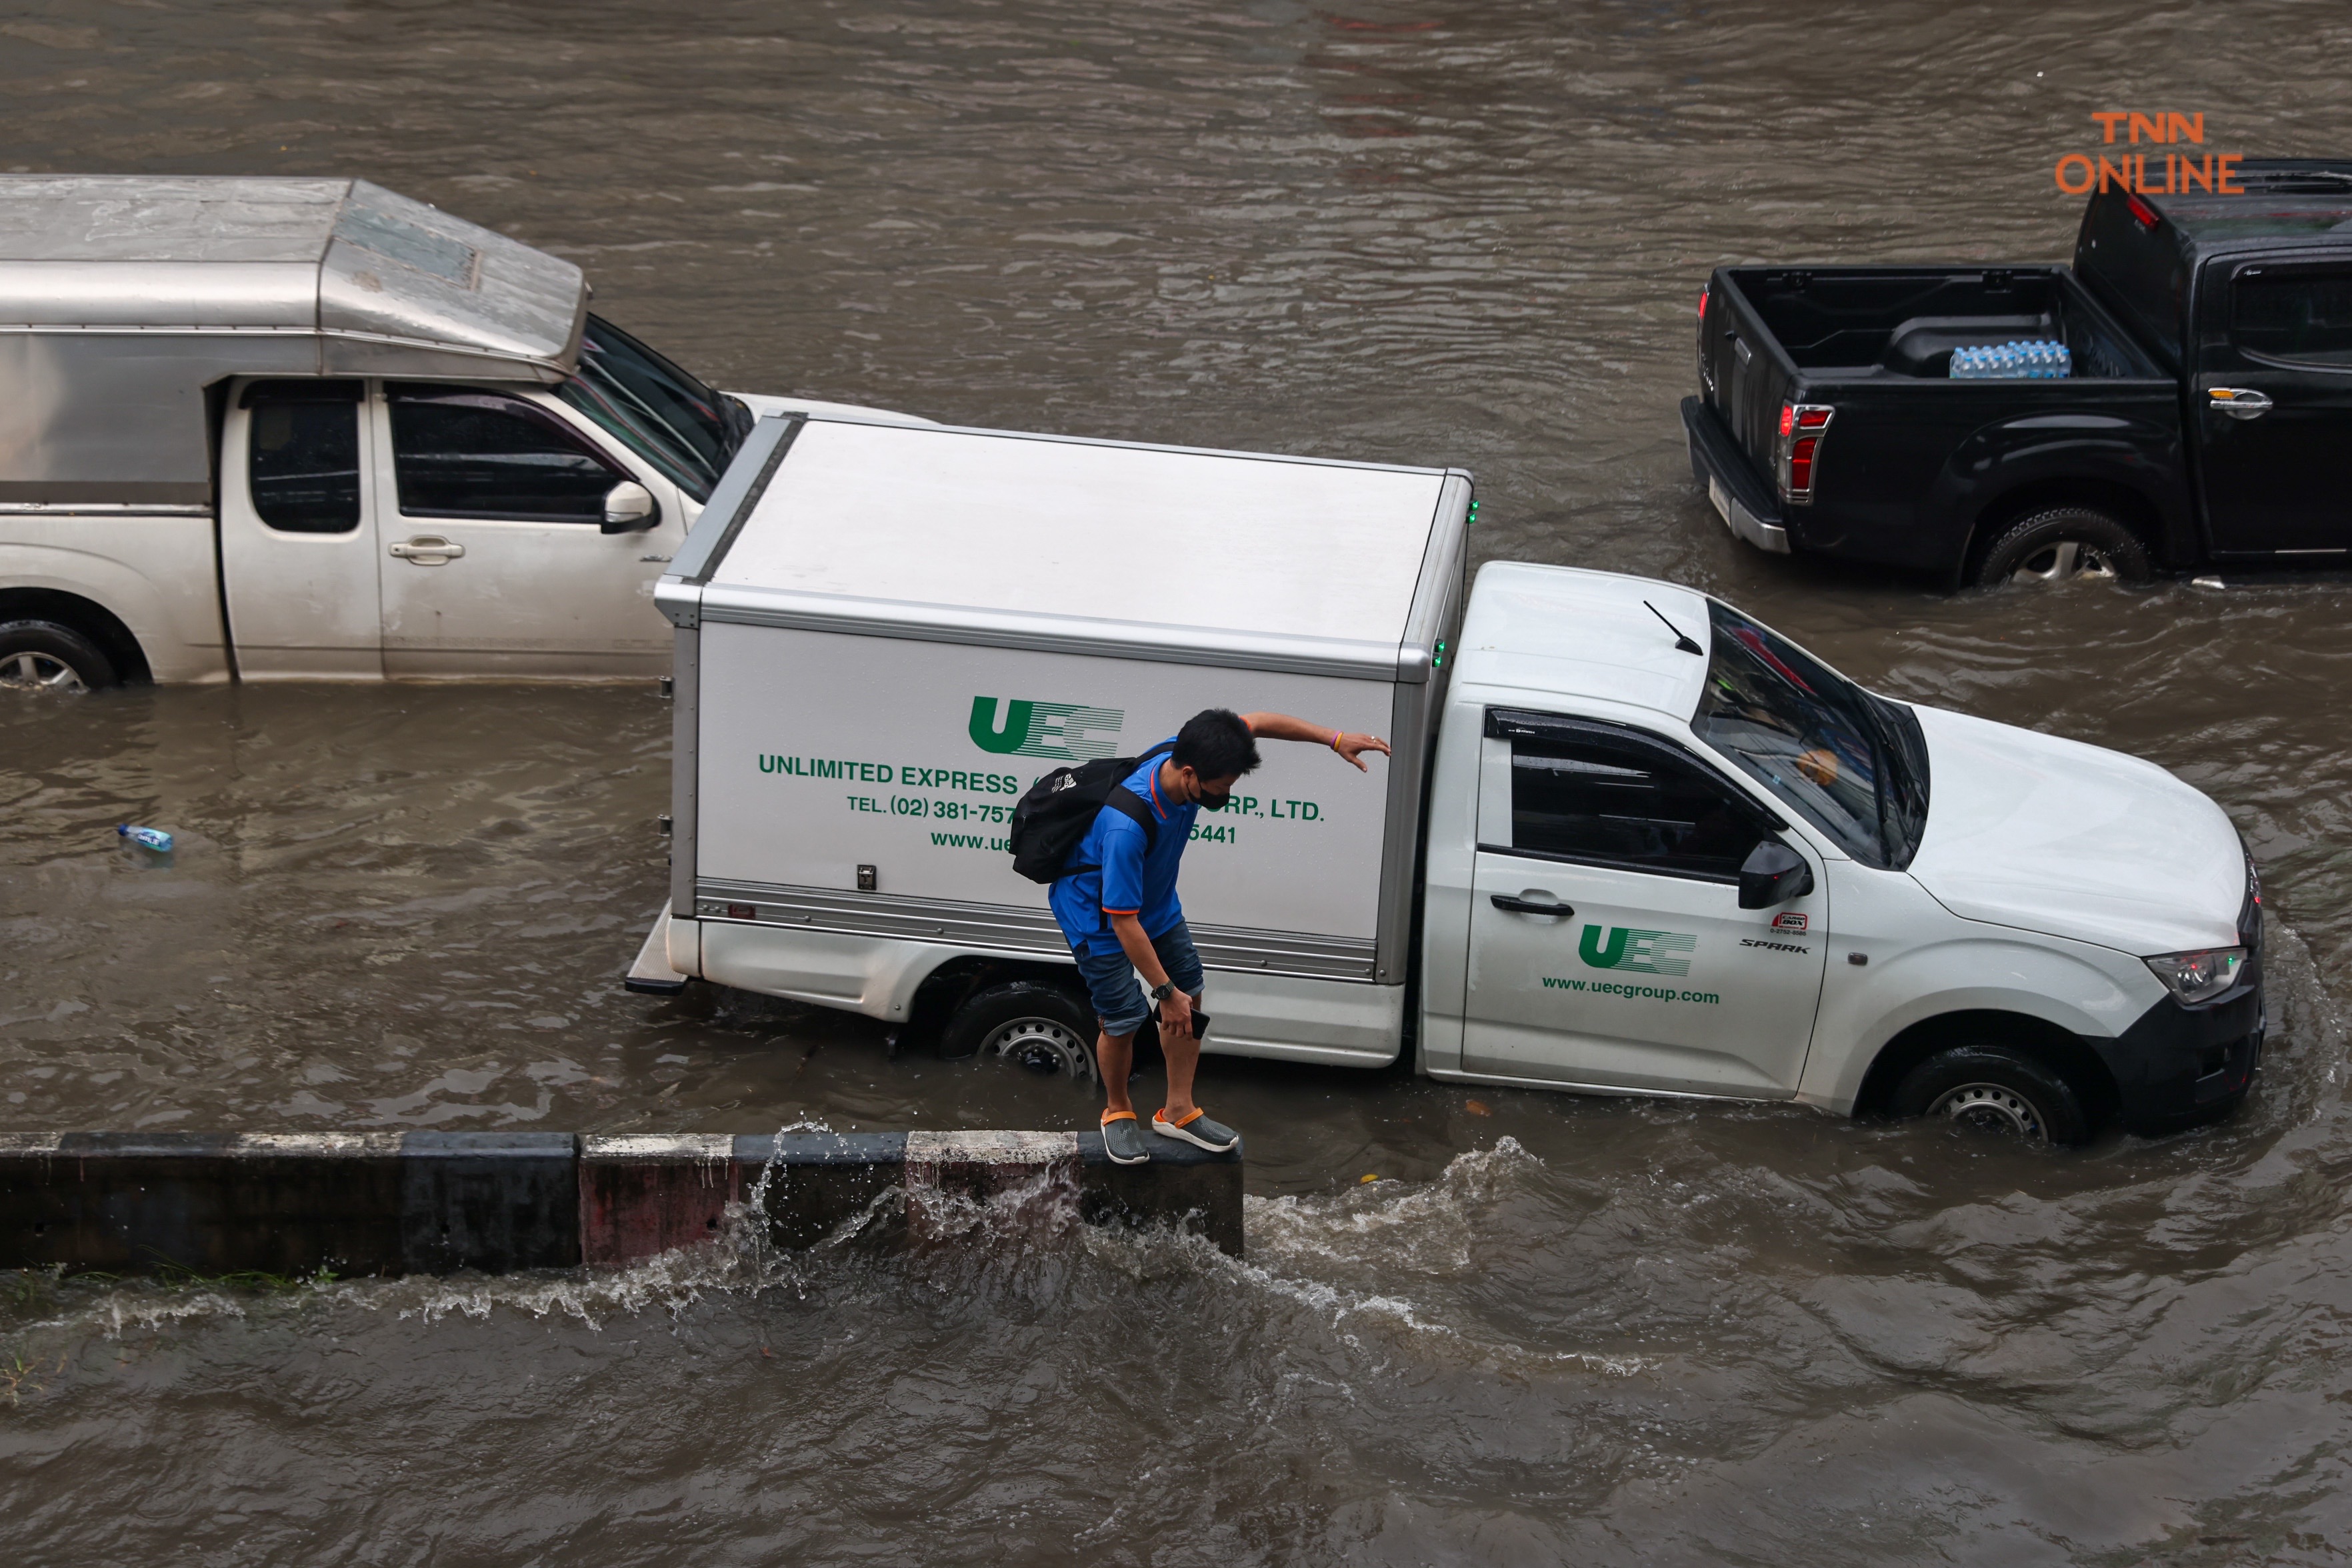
[
  {"x": 1197, "y": 1129},
  {"x": 1123, "y": 1139}
]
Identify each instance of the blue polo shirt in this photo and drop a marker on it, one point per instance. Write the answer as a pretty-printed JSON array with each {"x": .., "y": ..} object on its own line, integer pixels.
[{"x": 1121, "y": 879}]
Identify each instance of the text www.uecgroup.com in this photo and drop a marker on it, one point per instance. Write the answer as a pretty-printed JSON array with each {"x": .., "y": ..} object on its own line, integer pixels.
[{"x": 1611, "y": 988}]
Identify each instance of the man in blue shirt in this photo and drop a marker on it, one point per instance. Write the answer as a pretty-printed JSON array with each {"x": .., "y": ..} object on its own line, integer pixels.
[{"x": 1116, "y": 907}]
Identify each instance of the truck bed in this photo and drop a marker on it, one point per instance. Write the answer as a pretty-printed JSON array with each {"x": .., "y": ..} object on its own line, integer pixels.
[
  {"x": 1876, "y": 343},
  {"x": 1851, "y": 324}
]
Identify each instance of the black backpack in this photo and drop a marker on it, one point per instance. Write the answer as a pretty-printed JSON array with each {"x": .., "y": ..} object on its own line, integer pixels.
[{"x": 1059, "y": 810}]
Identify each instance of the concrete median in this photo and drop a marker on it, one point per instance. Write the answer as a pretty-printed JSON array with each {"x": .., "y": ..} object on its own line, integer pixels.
[{"x": 435, "y": 1203}]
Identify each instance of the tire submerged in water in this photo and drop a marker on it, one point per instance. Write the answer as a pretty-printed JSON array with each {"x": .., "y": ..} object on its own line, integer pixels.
[
  {"x": 1996, "y": 1088},
  {"x": 2063, "y": 544},
  {"x": 1040, "y": 1028},
  {"x": 44, "y": 656}
]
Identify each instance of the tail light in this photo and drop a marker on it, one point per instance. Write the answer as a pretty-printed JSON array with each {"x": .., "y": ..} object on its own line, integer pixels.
[
  {"x": 1706, "y": 371},
  {"x": 1803, "y": 427}
]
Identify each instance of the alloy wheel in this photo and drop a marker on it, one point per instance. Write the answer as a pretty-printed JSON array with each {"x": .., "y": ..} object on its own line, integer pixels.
[
  {"x": 2066, "y": 561},
  {"x": 30, "y": 671}
]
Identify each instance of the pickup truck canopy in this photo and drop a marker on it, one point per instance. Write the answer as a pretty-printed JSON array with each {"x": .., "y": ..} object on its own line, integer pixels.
[{"x": 123, "y": 297}]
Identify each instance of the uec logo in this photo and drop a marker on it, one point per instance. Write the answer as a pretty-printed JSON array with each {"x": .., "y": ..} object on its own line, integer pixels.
[
  {"x": 1636, "y": 952},
  {"x": 1067, "y": 732}
]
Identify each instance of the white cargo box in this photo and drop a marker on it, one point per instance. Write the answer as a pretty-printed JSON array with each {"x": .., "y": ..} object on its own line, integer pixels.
[{"x": 886, "y": 634}]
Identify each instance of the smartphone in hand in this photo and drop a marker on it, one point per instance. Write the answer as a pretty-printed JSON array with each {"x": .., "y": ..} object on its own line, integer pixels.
[{"x": 1200, "y": 1022}]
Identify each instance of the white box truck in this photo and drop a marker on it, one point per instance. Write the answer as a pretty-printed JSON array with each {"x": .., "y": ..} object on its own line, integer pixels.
[{"x": 1631, "y": 841}]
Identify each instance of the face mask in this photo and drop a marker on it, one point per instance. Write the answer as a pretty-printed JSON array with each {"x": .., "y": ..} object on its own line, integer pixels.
[{"x": 1216, "y": 802}]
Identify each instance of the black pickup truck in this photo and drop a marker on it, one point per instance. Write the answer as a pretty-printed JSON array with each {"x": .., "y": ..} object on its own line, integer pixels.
[{"x": 2206, "y": 420}]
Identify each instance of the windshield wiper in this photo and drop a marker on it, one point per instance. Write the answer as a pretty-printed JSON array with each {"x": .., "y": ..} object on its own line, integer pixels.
[
  {"x": 739, "y": 420},
  {"x": 1898, "y": 780}
]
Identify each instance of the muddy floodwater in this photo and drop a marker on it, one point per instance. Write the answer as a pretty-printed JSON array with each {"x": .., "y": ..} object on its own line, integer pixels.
[{"x": 1555, "y": 1329}]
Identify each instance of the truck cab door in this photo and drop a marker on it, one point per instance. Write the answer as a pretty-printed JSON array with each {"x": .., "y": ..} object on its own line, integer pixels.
[
  {"x": 496, "y": 561},
  {"x": 298, "y": 532},
  {"x": 2271, "y": 404},
  {"x": 1607, "y": 945}
]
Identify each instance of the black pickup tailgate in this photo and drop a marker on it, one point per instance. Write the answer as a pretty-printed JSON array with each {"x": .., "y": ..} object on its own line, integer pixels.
[
  {"x": 1744, "y": 377},
  {"x": 1744, "y": 502}
]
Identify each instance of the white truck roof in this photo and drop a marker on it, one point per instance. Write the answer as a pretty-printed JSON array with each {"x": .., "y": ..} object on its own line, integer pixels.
[
  {"x": 1563, "y": 628},
  {"x": 1017, "y": 539}
]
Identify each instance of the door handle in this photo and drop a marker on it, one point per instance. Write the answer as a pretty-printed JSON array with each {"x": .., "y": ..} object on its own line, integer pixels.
[
  {"x": 2239, "y": 402},
  {"x": 1531, "y": 906},
  {"x": 427, "y": 550}
]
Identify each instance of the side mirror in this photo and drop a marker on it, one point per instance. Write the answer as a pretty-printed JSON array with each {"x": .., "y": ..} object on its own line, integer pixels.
[
  {"x": 1773, "y": 874},
  {"x": 629, "y": 508}
]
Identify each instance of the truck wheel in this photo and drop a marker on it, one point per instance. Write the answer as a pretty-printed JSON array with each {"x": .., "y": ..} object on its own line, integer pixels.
[
  {"x": 1040, "y": 1028},
  {"x": 1996, "y": 1089},
  {"x": 2064, "y": 544},
  {"x": 42, "y": 656}
]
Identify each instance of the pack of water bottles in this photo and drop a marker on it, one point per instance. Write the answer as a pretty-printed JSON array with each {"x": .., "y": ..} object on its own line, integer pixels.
[{"x": 2022, "y": 359}]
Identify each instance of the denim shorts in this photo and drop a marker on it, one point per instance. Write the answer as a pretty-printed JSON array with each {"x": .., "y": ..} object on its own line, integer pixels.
[{"x": 1119, "y": 999}]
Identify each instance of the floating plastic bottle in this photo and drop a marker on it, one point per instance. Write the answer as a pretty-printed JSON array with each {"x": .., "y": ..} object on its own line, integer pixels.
[
  {"x": 153, "y": 838},
  {"x": 2021, "y": 359}
]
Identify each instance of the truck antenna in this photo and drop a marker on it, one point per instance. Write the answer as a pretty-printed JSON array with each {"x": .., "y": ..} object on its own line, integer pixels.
[{"x": 1682, "y": 642}]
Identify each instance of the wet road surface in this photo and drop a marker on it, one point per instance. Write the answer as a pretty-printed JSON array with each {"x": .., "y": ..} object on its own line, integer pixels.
[{"x": 1556, "y": 1329}]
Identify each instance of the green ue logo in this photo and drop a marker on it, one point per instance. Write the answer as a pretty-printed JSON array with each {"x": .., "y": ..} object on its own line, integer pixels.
[
  {"x": 1067, "y": 732},
  {"x": 1636, "y": 952}
]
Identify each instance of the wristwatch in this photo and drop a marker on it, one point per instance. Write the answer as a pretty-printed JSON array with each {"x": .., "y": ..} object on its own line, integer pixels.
[{"x": 1161, "y": 993}]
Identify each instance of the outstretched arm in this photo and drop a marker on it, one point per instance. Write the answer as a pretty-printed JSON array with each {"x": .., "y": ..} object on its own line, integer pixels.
[{"x": 1283, "y": 727}]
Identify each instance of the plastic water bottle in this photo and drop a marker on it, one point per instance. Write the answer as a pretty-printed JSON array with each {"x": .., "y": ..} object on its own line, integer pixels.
[
  {"x": 153, "y": 838},
  {"x": 2036, "y": 359}
]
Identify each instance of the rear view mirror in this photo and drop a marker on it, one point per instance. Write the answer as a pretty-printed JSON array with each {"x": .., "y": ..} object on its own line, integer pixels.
[
  {"x": 629, "y": 509},
  {"x": 1773, "y": 874}
]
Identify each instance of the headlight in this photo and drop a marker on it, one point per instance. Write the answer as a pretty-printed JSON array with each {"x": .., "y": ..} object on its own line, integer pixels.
[{"x": 2198, "y": 976}]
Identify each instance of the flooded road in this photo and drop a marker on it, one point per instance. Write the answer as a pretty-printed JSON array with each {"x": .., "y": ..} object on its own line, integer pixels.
[{"x": 1556, "y": 1329}]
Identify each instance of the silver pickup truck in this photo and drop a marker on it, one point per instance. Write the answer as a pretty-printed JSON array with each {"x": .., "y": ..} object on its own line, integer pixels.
[{"x": 272, "y": 429}]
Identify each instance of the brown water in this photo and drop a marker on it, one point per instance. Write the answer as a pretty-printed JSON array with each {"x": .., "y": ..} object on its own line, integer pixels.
[{"x": 1558, "y": 1329}]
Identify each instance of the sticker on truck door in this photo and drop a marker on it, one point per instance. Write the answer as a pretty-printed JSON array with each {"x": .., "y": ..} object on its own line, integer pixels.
[{"x": 1636, "y": 952}]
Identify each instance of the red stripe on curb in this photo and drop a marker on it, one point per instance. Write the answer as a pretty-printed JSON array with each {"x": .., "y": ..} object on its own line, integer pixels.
[{"x": 645, "y": 1193}]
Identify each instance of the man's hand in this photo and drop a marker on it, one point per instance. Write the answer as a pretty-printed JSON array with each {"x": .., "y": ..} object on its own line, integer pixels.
[
  {"x": 1283, "y": 727},
  {"x": 1176, "y": 1014}
]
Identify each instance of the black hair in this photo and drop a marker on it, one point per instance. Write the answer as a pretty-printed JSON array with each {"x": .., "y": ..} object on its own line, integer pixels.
[{"x": 1216, "y": 745}]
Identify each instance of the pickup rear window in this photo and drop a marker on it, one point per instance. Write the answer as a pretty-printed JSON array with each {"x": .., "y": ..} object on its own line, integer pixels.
[
  {"x": 1852, "y": 764},
  {"x": 302, "y": 455}
]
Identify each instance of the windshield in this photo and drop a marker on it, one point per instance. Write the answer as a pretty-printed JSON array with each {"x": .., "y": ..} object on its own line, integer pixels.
[
  {"x": 1852, "y": 764},
  {"x": 667, "y": 417}
]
